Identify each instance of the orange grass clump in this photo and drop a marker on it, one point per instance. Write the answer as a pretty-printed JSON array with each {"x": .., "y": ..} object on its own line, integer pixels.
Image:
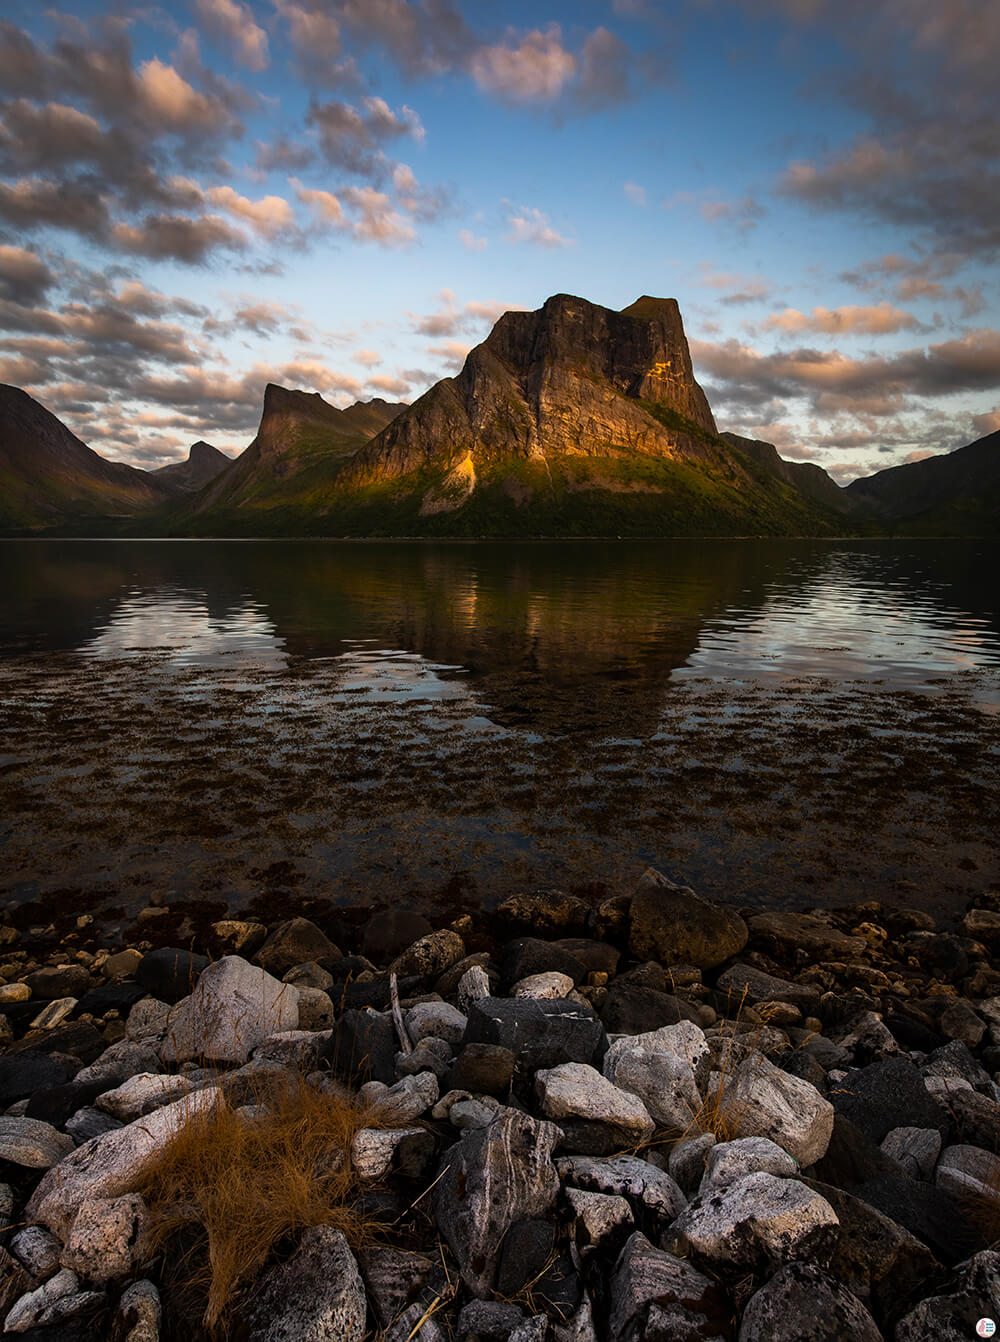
[{"x": 244, "y": 1185}]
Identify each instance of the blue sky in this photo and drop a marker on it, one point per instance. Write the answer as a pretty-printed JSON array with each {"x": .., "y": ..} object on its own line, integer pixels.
[{"x": 342, "y": 195}]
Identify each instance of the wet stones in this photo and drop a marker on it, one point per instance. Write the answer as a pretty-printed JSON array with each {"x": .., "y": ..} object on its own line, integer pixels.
[{"x": 672, "y": 924}]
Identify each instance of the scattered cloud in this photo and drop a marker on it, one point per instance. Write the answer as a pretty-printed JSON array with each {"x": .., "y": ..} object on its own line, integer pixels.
[
  {"x": 534, "y": 67},
  {"x": 470, "y": 242},
  {"x": 452, "y": 353},
  {"x": 882, "y": 319},
  {"x": 234, "y": 21},
  {"x": 635, "y": 193},
  {"x": 451, "y": 317},
  {"x": 532, "y": 226}
]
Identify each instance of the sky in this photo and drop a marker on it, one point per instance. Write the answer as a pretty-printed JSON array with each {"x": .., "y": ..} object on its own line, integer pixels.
[{"x": 344, "y": 195}]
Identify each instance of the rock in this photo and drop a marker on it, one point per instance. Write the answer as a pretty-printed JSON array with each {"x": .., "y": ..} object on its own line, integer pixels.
[
  {"x": 431, "y": 955},
  {"x": 527, "y": 1247},
  {"x": 315, "y": 1295},
  {"x": 729, "y": 1161},
  {"x": 58, "y": 1299},
  {"x": 967, "y": 1170},
  {"x": 597, "y": 957},
  {"x": 139, "y": 1313},
  {"x": 743, "y": 983},
  {"x": 408, "y": 1099},
  {"x": 169, "y": 973},
  {"x": 122, "y": 965},
  {"x": 142, "y": 1094},
  {"x": 852, "y": 1158},
  {"x": 397, "y": 1279},
  {"x": 954, "y": 1061},
  {"x": 540, "y": 1032},
  {"x": 527, "y": 957},
  {"x": 632, "y": 1009},
  {"x": 147, "y": 1022},
  {"x": 87, "y": 1122},
  {"x": 959, "y": 1021},
  {"x": 657, "y": 1297},
  {"x": 576, "y": 1091},
  {"x": 39, "y": 1251},
  {"x": 13, "y": 992},
  {"x": 915, "y": 1150},
  {"x": 763, "y": 1101},
  {"x": 430, "y": 1055},
  {"x": 982, "y": 925},
  {"x": 551, "y": 984},
  {"x": 120, "y": 997},
  {"x": 308, "y": 975},
  {"x": 436, "y": 1019},
  {"x": 293, "y": 943},
  {"x": 887, "y": 1095},
  {"x": 670, "y": 923},
  {"x": 234, "y": 937},
  {"x": 473, "y": 1113},
  {"x": 650, "y": 1191},
  {"x": 415, "y": 1323},
  {"x": 868, "y": 1039},
  {"x": 806, "y": 931},
  {"x": 491, "y": 1178},
  {"x": 316, "y": 1010},
  {"x": 977, "y": 1119},
  {"x": 483, "y": 1069},
  {"x": 106, "y": 1239},
  {"x": 655, "y": 1067},
  {"x": 291, "y": 1050},
  {"x": 362, "y": 1047},
  {"x": 974, "y": 1294},
  {"x": 32, "y": 1143},
  {"x": 389, "y": 932},
  {"x": 931, "y": 1214},
  {"x": 111, "y": 1165},
  {"x": 473, "y": 986},
  {"x": 546, "y": 911},
  {"x": 57, "y": 981},
  {"x": 759, "y": 1222},
  {"x": 118, "y": 1063},
  {"x": 602, "y": 1220},
  {"x": 488, "y": 1321},
  {"x": 54, "y": 1013},
  {"x": 801, "y": 1301},
  {"x": 234, "y": 1007},
  {"x": 688, "y": 1160},
  {"x": 373, "y": 1150},
  {"x": 21, "y": 1074},
  {"x": 14, "y": 1283}
]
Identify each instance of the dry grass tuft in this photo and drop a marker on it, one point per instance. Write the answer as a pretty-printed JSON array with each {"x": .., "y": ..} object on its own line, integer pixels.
[{"x": 240, "y": 1187}]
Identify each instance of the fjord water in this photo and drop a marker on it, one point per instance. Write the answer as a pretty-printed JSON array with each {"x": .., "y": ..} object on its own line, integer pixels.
[{"x": 774, "y": 722}]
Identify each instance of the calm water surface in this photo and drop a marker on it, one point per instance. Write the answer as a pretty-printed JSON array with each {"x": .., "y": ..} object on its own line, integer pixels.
[{"x": 775, "y": 722}]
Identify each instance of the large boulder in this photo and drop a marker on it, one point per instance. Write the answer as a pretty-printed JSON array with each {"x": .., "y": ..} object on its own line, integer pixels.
[
  {"x": 802, "y": 1301},
  {"x": 314, "y": 1295},
  {"x": 657, "y": 1297},
  {"x": 659, "y": 1067},
  {"x": 491, "y": 1178},
  {"x": 294, "y": 943},
  {"x": 234, "y": 1007},
  {"x": 576, "y": 1091},
  {"x": 106, "y": 1240},
  {"x": 887, "y": 1095},
  {"x": 670, "y": 923},
  {"x": 973, "y": 1294},
  {"x": 540, "y": 1032},
  {"x": 761, "y": 1100},
  {"x": 790, "y": 932}
]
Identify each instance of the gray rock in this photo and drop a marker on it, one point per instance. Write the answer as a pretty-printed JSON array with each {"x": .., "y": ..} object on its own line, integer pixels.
[
  {"x": 57, "y": 1299},
  {"x": 147, "y": 1022},
  {"x": 647, "y": 1188},
  {"x": 763, "y": 1101},
  {"x": 952, "y": 1317},
  {"x": 117, "y": 1063},
  {"x": 688, "y": 1159},
  {"x": 671, "y": 924},
  {"x": 110, "y": 1165},
  {"x": 915, "y": 1150},
  {"x": 308, "y": 975},
  {"x": 413, "y": 1326},
  {"x": 491, "y": 1178},
  {"x": 373, "y": 1149},
  {"x": 801, "y": 1301},
  {"x": 959, "y": 1021},
  {"x": 579, "y": 1327},
  {"x": 88, "y": 1122},
  {"x": 488, "y": 1320},
  {"x": 14, "y": 1282},
  {"x": 743, "y": 983},
  {"x": 967, "y": 1170},
  {"x": 437, "y": 1019},
  {"x": 540, "y": 1032},
  {"x": 294, "y": 943},
  {"x": 56, "y": 981},
  {"x": 809, "y": 932},
  {"x": 33, "y": 1143},
  {"x": 142, "y": 1094},
  {"x": 139, "y": 1313},
  {"x": 106, "y": 1240},
  {"x": 887, "y": 1095},
  {"x": 234, "y": 1007},
  {"x": 473, "y": 1113},
  {"x": 657, "y": 1297},
  {"x": 292, "y": 1050},
  {"x": 599, "y": 1218},
  {"x": 397, "y": 1279},
  {"x": 315, "y": 1295},
  {"x": 868, "y": 1039},
  {"x": 759, "y": 1221},
  {"x": 729, "y": 1161},
  {"x": 54, "y": 1013},
  {"x": 430, "y": 1055},
  {"x": 576, "y": 1091},
  {"x": 473, "y": 986},
  {"x": 316, "y": 1010},
  {"x": 483, "y": 1069},
  {"x": 39, "y": 1251},
  {"x": 652, "y": 1068},
  {"x": 408, "y": 1099},
  {"x": 550, "y": 984},
  {"x": 531, "y": 1330}
]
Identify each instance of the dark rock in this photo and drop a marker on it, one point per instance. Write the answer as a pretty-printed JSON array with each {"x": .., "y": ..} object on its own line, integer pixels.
[
  {"x": 527, "y": 955},
  {"x": 670, "y": 923},
  {"x": 446, "y": 985},
  {"x": 431, "y": 955},
  {"x": 169, "y": 974},
  {"x": 960, "y": 1022},
  {"x": 546, "y": 911},
  {"x": 398, "y": 1278},
  {"x": 629, "y": 1009},
  {"x": 540, "y": 1032},
  {"x": 77, "y": 1039},
  {"x": 802, "y": 1064},
  {"x": 745, "y": 983},
  {"x": 945, "y": 956},
  {"x": 293, "y": 943},
  {"x": 414, "y": 1154},
  {"x": 316, "y": 1294},
  {"x": 912, "y": 1034},
  {"x": 977, "y": 1118},
  {"x": 110, "y": 997},
  {"x": 24, "y": 1073},
  {"x": 852, "y": 1157},
  {"x": 955, "y": 1061},
  {"x": 390, "y": 931},
  {"x": 802, "y": 1301},
  {"x": 657, "y": 1297},
  {"x": 14, "y": 1282},
  {"x": 887, "y": 1095},
  {"x": 349, "y": 996},
  {"x": 55, "y": 981},
  {"x": 597, "y": 957},
  {"x": 491, "y": 1178},
  {"x": 54, "y": 1104},
  {"x": 560, "y": 1286},
  {"x": 483, "y": 1069},
  {"x": 526, "y": 1249},
  {"x": 488, "y": 1321},
  {"x": 929, "y": 1213},
  {"x": 362, "y": 1047},
  {"x": 972, "y": 1294},
  {"x": 647, "y": 975},
  {"x": 791, "y": 932}
]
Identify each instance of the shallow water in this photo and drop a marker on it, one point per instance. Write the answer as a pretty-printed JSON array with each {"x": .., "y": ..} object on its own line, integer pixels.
[{"x": 777, "y": 723}]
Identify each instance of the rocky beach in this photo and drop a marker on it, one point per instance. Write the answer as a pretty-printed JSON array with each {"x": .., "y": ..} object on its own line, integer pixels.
[{"x": 650, "y": 1118}]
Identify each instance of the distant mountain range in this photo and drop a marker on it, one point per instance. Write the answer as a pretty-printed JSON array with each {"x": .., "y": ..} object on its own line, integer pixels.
[{"x": 571, "y": 420}]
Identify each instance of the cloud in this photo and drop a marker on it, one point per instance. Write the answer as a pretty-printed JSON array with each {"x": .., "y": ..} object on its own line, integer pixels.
[
  {"x": 316, "y": 40},
  {"x": 234, "y": 21},
  {"x": 375, "y": 218},
  {"x": 24, "y": 277},
  {"x": 368, "y": 357},
  {"x": 532, "y": 226},
  {"x": 392, "y": 386},
  {"x": 470, "y": 242},
  {"x": 352, "y": 137},
  {"x": 450, "y": 318},
  {"x": 269, "y": 217},
  {"x": 988, "y": 423},
  {"x": 742, "y": 289},
  {"x": 605, "y": 65},
  {"x": 177, "y": 237},
  {"x": 452, "y": 353},
  {"x": 533, "y": 68},
  {"x": 881, "y": 320},
  {"x": 635, "y": 193},
  {"x": 914, "y": 278}
]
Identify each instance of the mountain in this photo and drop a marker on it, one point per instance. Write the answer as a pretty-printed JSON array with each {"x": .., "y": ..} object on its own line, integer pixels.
[
  {"x": 50, "y": 480},
  {"x": 204, "y": 462},
  {"x": 287, "y": 469},
  {"x": 571, "y": 420},
  {"x": 954, "y": 494},
  {"x": 805, "y": 476}
]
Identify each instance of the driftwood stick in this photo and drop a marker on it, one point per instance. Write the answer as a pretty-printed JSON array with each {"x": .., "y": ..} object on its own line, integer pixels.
[{"x": 397, "y": 1016}]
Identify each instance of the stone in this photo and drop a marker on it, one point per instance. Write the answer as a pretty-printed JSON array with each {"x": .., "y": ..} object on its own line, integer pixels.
[
  {"x": 952, "y": 1316},
  {"x": 121, "y": 965},
  {"x": 234, "y": 1007},
  {"x": 955, "y": 1061},
  {"x": 233, "y": 936},
  {"x": 315, "y": 1295},
  {"x": 139, "y": 1313},
  {"x": 802, "y": 1301},
  {"x": 408, "y": 1099},
  {"x": 526, "y": 957},
  {"x": 759, "y": 1222},
  {"x": 106, "y": 1239},
  {"x": 540, "y": 1032},
  {"x": 308, "y": 975},
  {"x": 632, "y": 1009},
  {"x": 670, "y": 923},
  {"x": 550, "y": 984},
  {"x": 601, "y": 1220},
  {"x": 430, "y": 1055},
  {"x": 489, "y": 1179},
  {"x": 488, "y": 1321},
  {"x": 142, "y": 1094},
  {"x": 120, "y": 997},
  {"x": 111, "y": 1165},
  {"x": 292, "y": 1050},
  {"x": 87, "y": 1122},
  {"x": 430, "y": 955},
  {"x": 982, "y": 925},
  {"x": 959, "y": 1021},
  {"x": 868, "y": 1039},
  {"x": 574, "y": 1090},
  {"x": 658, "y": 1297},
  {"x": 483, "y": 1069},
  {"x": 373, "y": 1150},
  {"x": 761, "y": 1100},
  {"x": 119, "y": 1062},
  {"x": 54, "y": 1013},
  {"x": 57, "y": 981},
  {"x": 32, "y": 1143},
  {"x": 650, "y": 1191},
  {"x": 930, "y": 1214},
  {"x": 57, "y": 1299},
  {"x": 473, "y": 986},
  {"x": 473, "y": 1113},
  {"x": 527, "y": 1247},
  {"x": 21, "y": 1074},
  {"x": 546, "y": 911},
  {"x": 688, "y": 1159},
  {"x": 170, "y": 973},
  {"x": 363, "y": 1046},
  {"x": 316, "y": 1011},
  {"x": 293, "y": 943},
  {"x": 437, "y": 1019},
  {"x": 977, "y": 1119},
  {"x": 147, "y": 1022},
  {"x": 397, "y": 1279},
  {"x": 887, "y": 1095},
  {"x": 388, "y": 932},
  {"x": 38, "y": 1249},
  {"x": 853, "y": 1158},
  {"x": 915, "y": 1150},
  {"x": 729, "y": 1161},
  {"x": 968, "y": 1171},
  {"x": 13, "y": 992},
  {"x": 597, "y": 957},
  {"x": 415, "y": 1323},
  {"x": 14, "y": 1282},
  {"x": 743, "y": 983},
  {"x": 791, "y": 932},
  {"x": 654, "y": 1067}
]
